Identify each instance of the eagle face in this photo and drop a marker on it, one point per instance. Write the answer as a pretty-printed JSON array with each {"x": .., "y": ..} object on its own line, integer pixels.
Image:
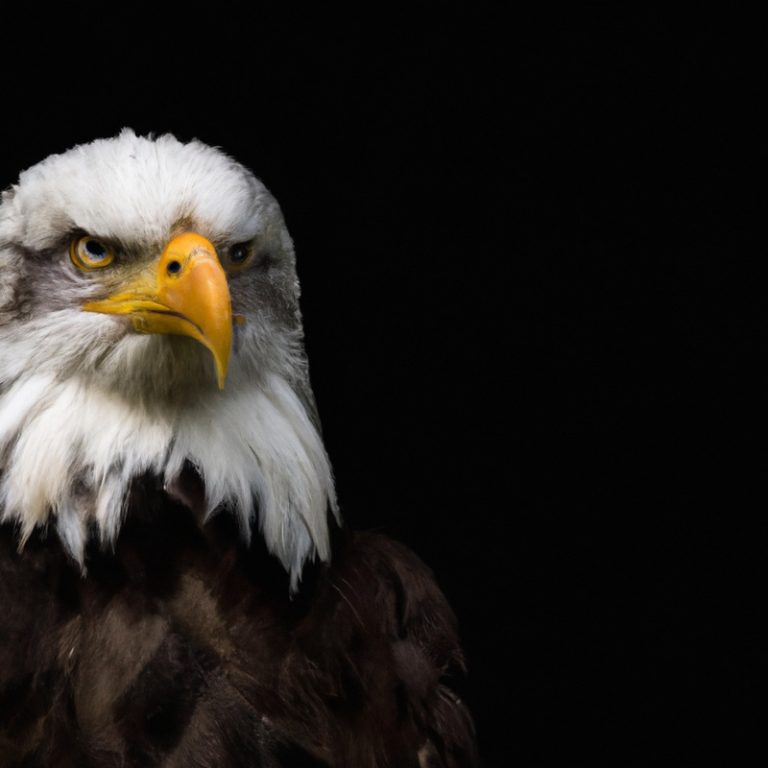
[{"x": 149, "y": 320}]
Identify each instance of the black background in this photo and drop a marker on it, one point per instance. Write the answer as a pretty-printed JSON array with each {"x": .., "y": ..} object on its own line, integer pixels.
[{"x": 508, "y": 234}]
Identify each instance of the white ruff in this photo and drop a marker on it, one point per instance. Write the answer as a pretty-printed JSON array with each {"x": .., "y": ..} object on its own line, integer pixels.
[{"x": 69, "y": 449}]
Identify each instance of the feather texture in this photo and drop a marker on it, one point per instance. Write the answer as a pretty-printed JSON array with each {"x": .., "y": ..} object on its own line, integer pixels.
[
  {"x": 256, "y": 450},
  {"x": 180, "y": 649}
]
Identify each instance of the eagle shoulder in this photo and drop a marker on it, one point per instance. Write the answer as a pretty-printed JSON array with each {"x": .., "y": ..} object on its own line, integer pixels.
[{"x": 383, "y": 640}]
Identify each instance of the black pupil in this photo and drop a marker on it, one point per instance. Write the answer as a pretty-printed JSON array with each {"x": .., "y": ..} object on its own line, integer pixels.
[
  {"x": 95, "y": 249},
  {"x": 239, "y": 253}
]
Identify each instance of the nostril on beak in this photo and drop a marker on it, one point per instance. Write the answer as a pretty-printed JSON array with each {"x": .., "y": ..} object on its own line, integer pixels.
[{"x": 174, "y": 267}]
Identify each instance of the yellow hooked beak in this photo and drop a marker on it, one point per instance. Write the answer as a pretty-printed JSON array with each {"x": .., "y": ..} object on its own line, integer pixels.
[{"x": 185, "y": 293}]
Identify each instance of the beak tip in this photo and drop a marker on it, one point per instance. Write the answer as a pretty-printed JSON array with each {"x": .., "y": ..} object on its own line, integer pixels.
[{"x": 221, "y": 374}]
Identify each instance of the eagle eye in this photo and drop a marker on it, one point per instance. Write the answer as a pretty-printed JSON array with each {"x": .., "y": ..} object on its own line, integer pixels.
[
  {"x": 89, "y": 253},
  {"x": 238, "y": 256}
]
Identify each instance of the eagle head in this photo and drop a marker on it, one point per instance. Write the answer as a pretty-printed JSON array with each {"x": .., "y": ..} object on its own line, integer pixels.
[{"x": 149, "y": 321}]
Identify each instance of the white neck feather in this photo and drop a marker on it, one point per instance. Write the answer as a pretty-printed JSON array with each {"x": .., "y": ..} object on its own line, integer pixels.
[{"x": 69, "y": 450}]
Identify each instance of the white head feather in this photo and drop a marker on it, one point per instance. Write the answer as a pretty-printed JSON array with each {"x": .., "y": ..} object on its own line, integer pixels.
[{"x": 87, "y": 406}]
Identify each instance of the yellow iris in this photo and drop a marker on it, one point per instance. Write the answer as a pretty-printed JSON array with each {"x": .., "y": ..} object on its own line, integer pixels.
[{"x": 89, "y": 253}]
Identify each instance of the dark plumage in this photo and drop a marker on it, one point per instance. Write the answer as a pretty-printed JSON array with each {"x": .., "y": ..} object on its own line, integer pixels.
[{"x": 182, "y": 648}]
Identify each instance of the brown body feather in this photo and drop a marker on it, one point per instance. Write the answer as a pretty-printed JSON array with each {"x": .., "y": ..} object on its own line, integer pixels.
[{"x": 183, "y": 648}]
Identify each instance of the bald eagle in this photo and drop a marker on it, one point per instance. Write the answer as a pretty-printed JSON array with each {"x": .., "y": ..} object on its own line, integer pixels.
[{"x": 176, "y": 585}]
